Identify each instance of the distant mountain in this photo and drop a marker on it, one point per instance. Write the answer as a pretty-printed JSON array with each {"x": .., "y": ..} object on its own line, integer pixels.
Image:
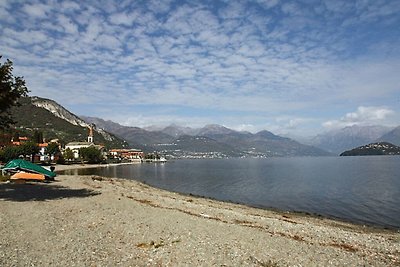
[
  {"x": 153, "y": 128},
  {"x": 381, "y": 148},
  {"x": 392, "y": 137},
  {"x": 135, "y": 136},
  {"x": 214, "y": 129},
  {"x": 215, "y": 139},
  {"x": 282, "y": 146},
  {"x": 337, "y": 141},
  {"x": 176, "y": 130},
  {"x": 56, "y": 122},
  {"x": 106, "y": 125},
  {"x": 263, "y": 143}
]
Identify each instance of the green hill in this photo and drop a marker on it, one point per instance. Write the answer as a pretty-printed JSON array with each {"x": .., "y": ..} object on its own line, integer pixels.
[
  {"x": 374, "y": 149},
  {"x": 30, "y": 117}
]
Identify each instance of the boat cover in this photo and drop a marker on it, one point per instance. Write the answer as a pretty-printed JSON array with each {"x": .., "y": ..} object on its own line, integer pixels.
[{"x": 23, "y": 165}]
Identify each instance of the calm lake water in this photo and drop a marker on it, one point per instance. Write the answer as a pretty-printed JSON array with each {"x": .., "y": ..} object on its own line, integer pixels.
[{"x": 364, "y": 190}]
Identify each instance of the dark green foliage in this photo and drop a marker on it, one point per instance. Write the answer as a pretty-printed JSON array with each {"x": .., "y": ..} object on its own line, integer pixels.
[
  {"x": 90, "y": 154},
  {"x": 60, "y": 160},
  {"x": 30, "y": 118},
  {"x": 5, "y": 138},
  {"x": 374, "y": 149},
  {"x": 29, "y": 149},
  {"x": 52, "y": 149},
  {"x": 10, "y": 153},
  {"x": 37, "y": 137},
  {"x": 68, "y": 154},
  {"x": 11, "y": 89}
]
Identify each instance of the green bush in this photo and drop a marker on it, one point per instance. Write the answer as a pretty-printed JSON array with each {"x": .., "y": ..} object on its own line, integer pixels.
[
  {"x": 90, "y": 154},
  {"x": 10, "y": 153}
]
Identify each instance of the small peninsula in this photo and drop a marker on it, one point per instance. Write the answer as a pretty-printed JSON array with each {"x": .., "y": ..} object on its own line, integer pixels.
[{"x": 380, "y": 148}]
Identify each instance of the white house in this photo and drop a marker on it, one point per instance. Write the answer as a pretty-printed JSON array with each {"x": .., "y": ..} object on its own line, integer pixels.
[{"x": 75, "y": 146}]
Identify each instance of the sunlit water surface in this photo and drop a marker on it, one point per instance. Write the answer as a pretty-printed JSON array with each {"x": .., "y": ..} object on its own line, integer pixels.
[{"x": 364, "y": 190}]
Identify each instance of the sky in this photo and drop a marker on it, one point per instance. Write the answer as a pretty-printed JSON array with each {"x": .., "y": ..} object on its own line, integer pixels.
[{"x": 291, "y": 67}]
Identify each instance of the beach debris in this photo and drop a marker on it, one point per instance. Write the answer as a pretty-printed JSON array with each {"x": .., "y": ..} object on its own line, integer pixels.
[
  {"x": 344, "y": 246},
  {"x": 268, "y": 263},
  {"x": 97, "y": 178},
  {"x": 153, "y": 244}
]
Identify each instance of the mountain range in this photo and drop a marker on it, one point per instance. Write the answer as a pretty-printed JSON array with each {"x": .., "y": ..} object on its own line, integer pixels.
[
  {"x": 209, "y": 140},
  {"x": 212, "y": 140},
  {"x": 261, "y": 143},
  {"x": 337, "y": 141}
]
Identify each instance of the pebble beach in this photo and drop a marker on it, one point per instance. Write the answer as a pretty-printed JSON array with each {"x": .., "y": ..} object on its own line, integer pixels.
[{"x": 98, "y": 221}]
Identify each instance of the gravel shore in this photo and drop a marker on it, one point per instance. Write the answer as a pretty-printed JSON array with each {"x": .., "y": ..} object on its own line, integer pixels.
[{"x": 97, "y": 221}]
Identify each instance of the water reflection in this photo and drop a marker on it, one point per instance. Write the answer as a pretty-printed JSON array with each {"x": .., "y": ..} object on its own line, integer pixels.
[{"x": 360, "y": 189}]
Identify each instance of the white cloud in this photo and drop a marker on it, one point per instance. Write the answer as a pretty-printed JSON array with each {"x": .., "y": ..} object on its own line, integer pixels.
[
  {"x": 68, "y": 25},
  {"x": 245, "y": 128},
  {"x": 108, "y": 41},
  {"x": 69, "y": 6},
  {"x": 93, "y": 29},
  {"x": 123, "y": 19},
  {"x": 338, "y": 6},
  {"x": 159, "y": 6},
  {"x": 25, "y": 37},
  {"x": 363, "y": 116},
  {"x": 268, "y": 3},
  {"x": 291, "y": 8},
  {"x": 269, "y": 57},
  {"x": 36, "y": 10}
]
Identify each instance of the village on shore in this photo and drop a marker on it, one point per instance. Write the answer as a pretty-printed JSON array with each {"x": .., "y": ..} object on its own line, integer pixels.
[{"x": 76, "y": 152}]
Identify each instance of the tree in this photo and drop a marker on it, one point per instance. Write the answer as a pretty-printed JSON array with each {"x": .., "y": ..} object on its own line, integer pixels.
[
  {"x": 10, "y": 153},
  {"x": 5, "y": 138},
  {"x": 38, "y": 137},
  {"x": 11, "y": 89},
  {"x": 90, "y": 154},
  {"x": 53, "y": 149},
  {"x": 68, "y": 154},
  {"x": 29, "y": 149}
]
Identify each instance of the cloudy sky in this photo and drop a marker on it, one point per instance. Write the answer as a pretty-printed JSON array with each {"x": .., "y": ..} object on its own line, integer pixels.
[{"x": 298, "y": 67}]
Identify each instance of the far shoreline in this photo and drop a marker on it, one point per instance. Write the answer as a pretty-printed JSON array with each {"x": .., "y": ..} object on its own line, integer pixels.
[{"x": 65, "y": 167}]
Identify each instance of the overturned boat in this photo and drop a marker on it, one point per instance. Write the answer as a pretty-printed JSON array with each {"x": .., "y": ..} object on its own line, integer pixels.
[{"x": 20, "y": 165}]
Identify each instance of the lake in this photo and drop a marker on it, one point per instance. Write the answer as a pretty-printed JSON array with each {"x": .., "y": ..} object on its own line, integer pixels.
[{"x": 364, "y": 190}]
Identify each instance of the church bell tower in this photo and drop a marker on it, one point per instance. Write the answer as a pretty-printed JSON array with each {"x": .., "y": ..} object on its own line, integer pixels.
[{"x": 90, "y": 136}]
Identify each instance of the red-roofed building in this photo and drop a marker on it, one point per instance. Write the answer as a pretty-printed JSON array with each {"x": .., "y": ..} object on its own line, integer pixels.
[
  {"x": 19, "y": 141},
  {"x": 127, "y": 154}
]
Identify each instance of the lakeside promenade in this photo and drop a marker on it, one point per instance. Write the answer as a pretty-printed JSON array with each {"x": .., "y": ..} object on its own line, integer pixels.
[{"x": 97, "y": 221}]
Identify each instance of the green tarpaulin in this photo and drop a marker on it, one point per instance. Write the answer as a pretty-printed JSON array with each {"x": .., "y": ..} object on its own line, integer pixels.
[{"x": 23, "y": 165}]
